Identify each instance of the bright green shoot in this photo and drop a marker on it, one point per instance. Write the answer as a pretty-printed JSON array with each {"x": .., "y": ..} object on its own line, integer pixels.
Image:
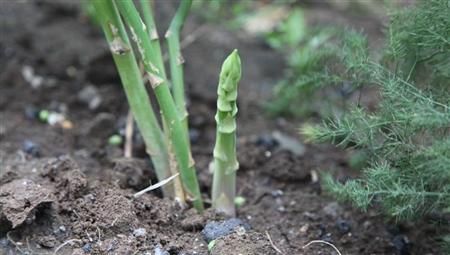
[
  {"x": 170, "y": 150},
  {"x": 225, "y": 162},
  {"x": 134, "y": 88}
]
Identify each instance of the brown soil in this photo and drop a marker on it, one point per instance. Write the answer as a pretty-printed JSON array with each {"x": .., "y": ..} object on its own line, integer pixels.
[{"x": 74, "y": 195}]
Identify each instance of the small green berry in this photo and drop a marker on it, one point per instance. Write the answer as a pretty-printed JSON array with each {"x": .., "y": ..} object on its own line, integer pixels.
[
  {"x": 115, "y": 140},
  {"x": 43, "y": 115},
  {"x": 239, "y": 201},
  {"x": 211, "y": 245}
]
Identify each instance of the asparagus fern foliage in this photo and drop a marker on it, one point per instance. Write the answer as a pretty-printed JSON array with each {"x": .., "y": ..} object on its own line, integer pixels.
[{"x": 407, "y": 136}]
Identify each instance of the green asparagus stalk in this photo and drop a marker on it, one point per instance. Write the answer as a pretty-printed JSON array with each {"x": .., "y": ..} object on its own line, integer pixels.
[
  {"x": 165, "y": 101},
  {"x": 225, "y": 162},
  {"x": 147, "y": 13},
  {"x": 134, "y": 88},
  {"x": 176, "y": 61}
]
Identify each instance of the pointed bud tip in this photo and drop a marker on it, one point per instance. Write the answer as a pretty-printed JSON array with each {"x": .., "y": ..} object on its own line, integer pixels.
[{"x": 231, "y": 69}]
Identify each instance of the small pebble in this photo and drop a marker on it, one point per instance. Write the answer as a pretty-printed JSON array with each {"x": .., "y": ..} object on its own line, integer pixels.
[
  {"x": 160, "y": 251},
  {"x": 67, "y": 124},
  {"x": 333, "y": 210},
  {"x": 402, "y": 244},
  {"x": 89, "y": 197},
  {"x": 4, "y": 242},
  {"x": 31, "y": 148},
  {"x": 139, "y": 232},
  {"x": 327, "y": 238},
  {"x": 194, "y": 135},
  {"x": 289, "y": 143},
  {"x": 90, "y": 96},
  {"x": 321, "y": 231},
  {"x": 55, "y": 118},
  {"x": 367, "y": 224},
  {"x": 276, "y": 193},
  {"x": 87, "y": 248},
  {"x": 267, "y": 141},
  {"x": 311, "y": 216},
  {"x": 343, "y": 226},
  {"x": 31, "y": 112},
  {"x": 304, "y": 228}
]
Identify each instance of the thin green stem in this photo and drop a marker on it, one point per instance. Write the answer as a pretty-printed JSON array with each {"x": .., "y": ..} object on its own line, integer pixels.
[
  {"x": 147, "y": 14},
  {"x": 176, "y": 60},
  {"x": 225, "y": 161},
  {"x": 165, "y": 101},
  {"x": 134, "y": 87}
]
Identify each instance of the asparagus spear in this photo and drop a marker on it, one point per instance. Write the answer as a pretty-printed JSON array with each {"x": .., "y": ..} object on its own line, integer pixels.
[{"x": 225, "y": 162}]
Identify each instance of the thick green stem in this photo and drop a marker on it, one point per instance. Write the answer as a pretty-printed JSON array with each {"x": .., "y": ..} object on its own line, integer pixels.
[
  {"x": 225, "y": 162},
  {"x": 156, "y": 57},
  {"x": 134, "y": 88},
  {"x": 176, "y": 61},
  {"x": 165, "y": 101}
]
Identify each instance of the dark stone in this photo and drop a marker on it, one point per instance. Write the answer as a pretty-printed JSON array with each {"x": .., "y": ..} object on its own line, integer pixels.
[
  {"x": 343, "y": 226},
  {"x": 4, "y": 242},
  {"x": 321, "y": 231},
  {"x": 31, "y": 148},
  {"x": 216, "y": 229},
  {"x": 87, "y": 248},
  {"x": 194, "y": 135},
  {"x": 276, "y": 193},
  {"x": 31, "y": 112},
  {"x": 267, "y": 141},
  {"x": 402, "y": 244}
]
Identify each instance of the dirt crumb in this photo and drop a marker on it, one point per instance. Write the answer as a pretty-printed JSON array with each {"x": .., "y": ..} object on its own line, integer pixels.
[
  {"x": 20, "y": 199},
  {"x": 250, "y": 243}
]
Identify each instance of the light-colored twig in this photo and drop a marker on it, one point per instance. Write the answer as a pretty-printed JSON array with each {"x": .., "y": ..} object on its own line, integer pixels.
[
  {"x": 71, "y": 241},
  {"x": 155, "y": 186},
  {"x": 16, "y": 244},
  {"x": 323, "y": 242},
  {"x": 273, "y": 245},
  {"x": 129, "y": 135}
]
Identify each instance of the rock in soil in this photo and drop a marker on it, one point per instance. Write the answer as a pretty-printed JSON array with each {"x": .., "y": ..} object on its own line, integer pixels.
[
  {"x": 20, "y": 199},
  {"x": 216, "y": 229},
  {"x": 343, "y": 226},
  {"x": 289, "y": 143},
  {"x": 139, "y": 232},
  {"x": 402, "y": 244},
  {"x": 31, "y": 148}
]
